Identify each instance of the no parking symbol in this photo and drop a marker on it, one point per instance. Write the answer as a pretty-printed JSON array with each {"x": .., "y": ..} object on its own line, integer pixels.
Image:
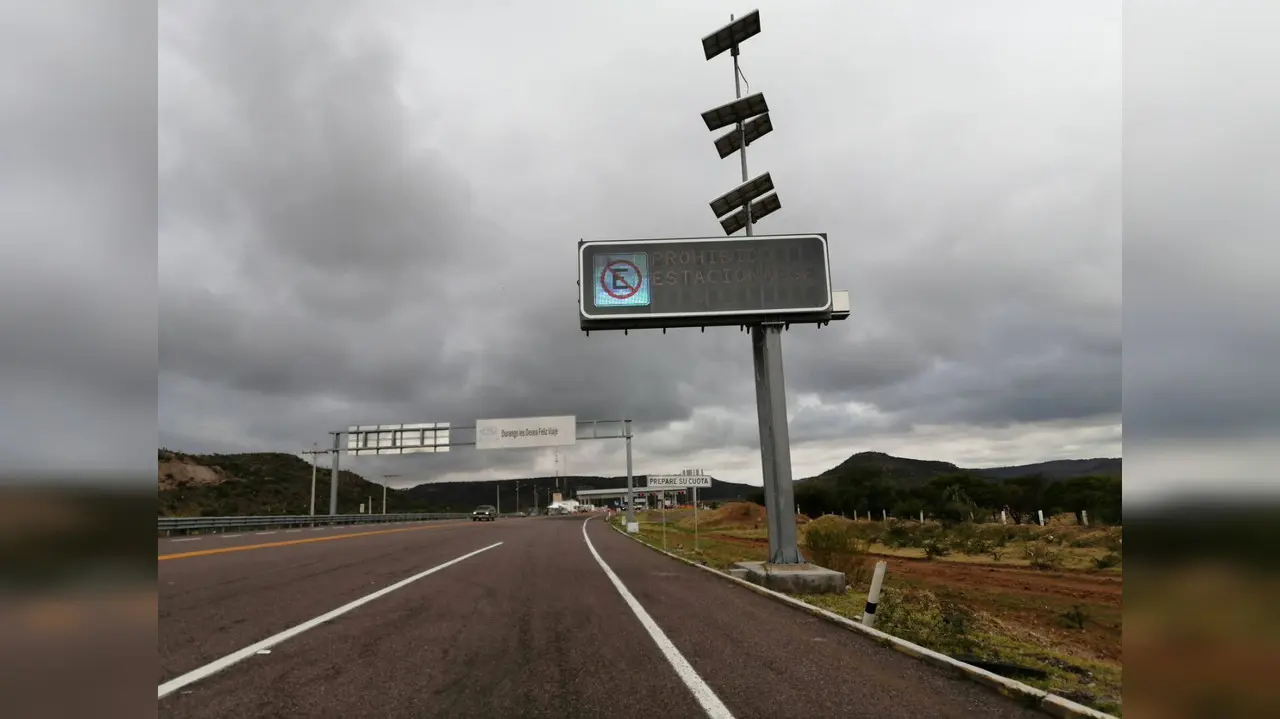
[{"x": 622, "y": 280}]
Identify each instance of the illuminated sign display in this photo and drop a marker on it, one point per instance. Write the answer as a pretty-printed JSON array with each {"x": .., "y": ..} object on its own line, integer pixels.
[
  {"x": 621, "y": 279},
  {"x": 704, "y": 281}
]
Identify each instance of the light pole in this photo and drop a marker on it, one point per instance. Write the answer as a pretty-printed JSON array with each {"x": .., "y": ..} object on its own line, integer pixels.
[
  {"x": 750, "y": 116},
  {"x": 333, "y": 475},
  {"x": 315, "y": 452},
  {"x": 385, "y": 477},
  {"x": 632, "y": 526}
]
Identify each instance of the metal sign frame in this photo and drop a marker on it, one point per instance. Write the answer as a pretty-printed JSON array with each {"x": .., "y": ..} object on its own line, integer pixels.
[
  {"x": 624, "y": 433},
  {"x": 389, "y": 439},
  {"x": 654, "y": 320}
]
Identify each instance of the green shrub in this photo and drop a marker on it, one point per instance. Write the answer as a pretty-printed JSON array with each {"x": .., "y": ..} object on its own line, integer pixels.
[
  {"x": 1074, "y": 618},
  {"x": 841, "y": 547},
  {"x": 974, "y": 546},
  {"x": 1043, "y": 556},
  {"x": 917, "y": 615},
  {"x": 1091, "y": 539},
  {"x": 1107, "y": 561},
  {"x": 873, "y": 532},
  {"x": 898, "y": 535},
  {"x": 964, "y": 532},
  {"x": 1001, "y": 534},
  {"x": 934, "y": 548}
]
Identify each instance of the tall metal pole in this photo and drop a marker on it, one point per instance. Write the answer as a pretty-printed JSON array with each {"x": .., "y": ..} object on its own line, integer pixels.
[
  {"x": 662, "y": 500},
  {"x": 695, "y": 519},
  {"x": 333, "y": 476},
  {"x": 384, "y": 496},
  {"x": 631, "y": 512},
  {"x": 742, "y": 131},
  {"x": 315, "y": 459},
  {"x": 771, "y": 408}
]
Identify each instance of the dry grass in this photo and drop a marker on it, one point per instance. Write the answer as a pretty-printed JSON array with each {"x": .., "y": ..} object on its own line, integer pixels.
[{"x": 1063, "y": 619}]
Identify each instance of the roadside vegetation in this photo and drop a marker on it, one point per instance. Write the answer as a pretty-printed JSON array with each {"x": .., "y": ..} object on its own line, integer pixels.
[
  {"x": 1038, "y": 604},
  {"x": 957, "y": 497}
]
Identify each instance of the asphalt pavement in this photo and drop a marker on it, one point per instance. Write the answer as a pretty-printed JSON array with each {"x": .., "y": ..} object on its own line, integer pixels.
[{"x": 539, "y": 617}]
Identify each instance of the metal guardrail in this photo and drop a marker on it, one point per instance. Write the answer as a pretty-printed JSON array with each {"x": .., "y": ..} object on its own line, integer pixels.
[{"x": 170, "y": 525}]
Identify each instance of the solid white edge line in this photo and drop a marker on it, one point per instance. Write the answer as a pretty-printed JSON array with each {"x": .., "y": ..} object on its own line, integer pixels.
[
  {"x": 218, "y": 665},
  {"x": 707, "y": 698},
  {"x": 1052, "y": 704}
]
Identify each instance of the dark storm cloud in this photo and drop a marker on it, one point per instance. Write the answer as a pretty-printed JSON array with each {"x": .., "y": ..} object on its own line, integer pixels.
[
  {"x": 1202, "y": 165},
  {"x": 367, "y": 219},
  {"x": 76, "y": 262}
]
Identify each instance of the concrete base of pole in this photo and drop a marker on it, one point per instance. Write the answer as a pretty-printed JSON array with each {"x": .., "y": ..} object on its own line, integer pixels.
[
  {"x": 792, "y": 578},
  {"x": 633, "y": 527}
]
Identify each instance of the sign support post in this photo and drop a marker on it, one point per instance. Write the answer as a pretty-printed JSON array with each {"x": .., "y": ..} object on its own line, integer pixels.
[
  {"x": 333, "y": 476},
  {"x": 771, "y": 406},
  {"x": 662, "y": 499},
  {"x": 761, "y": 283},
  {"x": 632, "y": 526},
  {"x": 695, "y": 519}
]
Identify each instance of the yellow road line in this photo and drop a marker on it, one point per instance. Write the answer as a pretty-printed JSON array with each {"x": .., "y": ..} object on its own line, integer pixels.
[{"x": 247, "y": 547}]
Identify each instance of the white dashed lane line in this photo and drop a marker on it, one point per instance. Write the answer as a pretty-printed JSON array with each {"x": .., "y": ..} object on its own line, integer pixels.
[{"x": 262, "y": 646}]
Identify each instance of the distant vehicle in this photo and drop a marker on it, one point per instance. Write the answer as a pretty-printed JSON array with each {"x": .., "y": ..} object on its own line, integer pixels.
[{"x": 484, "y": 513}]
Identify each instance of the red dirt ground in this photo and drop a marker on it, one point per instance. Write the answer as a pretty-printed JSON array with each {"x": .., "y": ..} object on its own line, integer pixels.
[{"x": 1029, "y": 597}]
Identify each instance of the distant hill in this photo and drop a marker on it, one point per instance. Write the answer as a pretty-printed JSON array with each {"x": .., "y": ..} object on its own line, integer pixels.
[
  {"x": 878, "y": 465},
  {"x": 277, "y": 483},
  {"x": 903, "y": 487},
  {"x": 1059, "y": 469},
  {"x": 192, "y": 485},
  {"x": 911, "y": 473}
]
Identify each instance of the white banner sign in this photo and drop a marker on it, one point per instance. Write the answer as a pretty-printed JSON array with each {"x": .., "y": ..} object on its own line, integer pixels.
[
  {"x": 523, "y": 432},
  {"x": 662, "y": 481}
]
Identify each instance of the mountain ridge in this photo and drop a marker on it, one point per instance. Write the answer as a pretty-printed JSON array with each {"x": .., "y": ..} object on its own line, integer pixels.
[
  {"x": 279, "y": 483},
  {"x": 915, "y": 472}
]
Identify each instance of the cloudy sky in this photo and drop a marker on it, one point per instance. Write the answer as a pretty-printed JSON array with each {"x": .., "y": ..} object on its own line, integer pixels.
[{"x": 369, "y": 211}]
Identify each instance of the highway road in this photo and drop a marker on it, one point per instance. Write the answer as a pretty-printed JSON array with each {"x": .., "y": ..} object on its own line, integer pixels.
[{"x": 539, "y": 617}]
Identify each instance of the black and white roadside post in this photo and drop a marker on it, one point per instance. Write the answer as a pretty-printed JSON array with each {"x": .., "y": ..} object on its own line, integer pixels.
[{"x": 873, "y": 595}]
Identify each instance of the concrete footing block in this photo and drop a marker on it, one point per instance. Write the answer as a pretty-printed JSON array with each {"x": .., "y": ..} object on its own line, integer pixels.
[
  {"x": 792, "y": 578},
  {"x": 738, "y": 572}
]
